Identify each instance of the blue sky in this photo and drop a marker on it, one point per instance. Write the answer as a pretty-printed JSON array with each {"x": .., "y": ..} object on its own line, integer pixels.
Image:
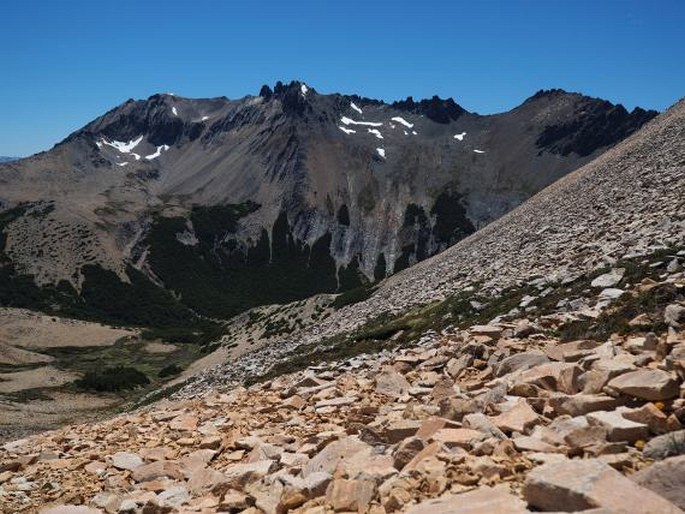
[{"x": 63, "y": 63}]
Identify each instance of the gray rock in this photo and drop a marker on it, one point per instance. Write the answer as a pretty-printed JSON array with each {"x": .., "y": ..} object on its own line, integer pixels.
[
  {"x": 518, "y": 362},
  {"x": 126, "y": 460},
  {"x": 609, "y": 279},
  {"x": 666, "y": 478},
  {"x": 667, "y": 445},
  {"x": 674, "y": 315}
]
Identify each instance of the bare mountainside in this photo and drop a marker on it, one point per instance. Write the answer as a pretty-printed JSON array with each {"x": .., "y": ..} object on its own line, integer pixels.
[
  {"x": 628, "y": 203},
  {"x": 190, "y": 202}
]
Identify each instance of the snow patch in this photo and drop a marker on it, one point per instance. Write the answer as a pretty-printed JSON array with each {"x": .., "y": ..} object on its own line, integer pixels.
[
  {"x": 376, "y": 133},
  {"x": 122, "y": 164},
  {"x": 479, "y": 151},
  {"x": 381, "y": 152},
  {"x": 173, "y": 109},
  {"x": 356, "y": 107},
  {"x": 400, "y": 119},
  {"x": 158, "y": 152},
  {"x": 460, "y": 137},
  {"x": 121, "y": 146},
  {"x": 204, "y": 118},
  {"x": 405, "y": 132},
  {"x": 348, "y": 121},
  {"x": 414, "y": 132},
  {"x": 347, "y": 131},
  {"x": 392, "y": 126},
  {"x": 304, "y": 89}
]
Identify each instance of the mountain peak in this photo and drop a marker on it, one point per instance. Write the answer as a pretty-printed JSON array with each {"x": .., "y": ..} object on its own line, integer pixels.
[{"x": 437, "y": 109}]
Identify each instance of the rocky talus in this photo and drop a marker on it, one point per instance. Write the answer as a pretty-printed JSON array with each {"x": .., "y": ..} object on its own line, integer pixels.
[
  {"x": 507, "y": 417},
  {"x": 629, "y": 201}
]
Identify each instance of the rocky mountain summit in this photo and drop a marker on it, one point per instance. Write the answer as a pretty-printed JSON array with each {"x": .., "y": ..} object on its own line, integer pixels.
[{"x": 307, "y": 192}]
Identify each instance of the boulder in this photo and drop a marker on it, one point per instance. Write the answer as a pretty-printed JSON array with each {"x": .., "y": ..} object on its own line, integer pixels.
[
  {"x": 647, "y": 384},
  {"x": 520, "y": 418},
  {"x": 609, "y": 279},
  {"x": 126, "y": 460},
  {"x": 485, "y": 500},
  {"x": 155, "y": 470},
  {"x": 553, "y": 376},
  {"x": 573, "y": 485},
  {"x": 667, "y": 445},
  {"x": 331, "y": 456},
  {"x": 519, "y": 362},
  {"x": 350, "y": 495},
  {"x": 390, "y": 383},
  {"x": 618, "y": 428},
  {"x": 666, "y": 478},
  {"x": 458, "y": 437}
]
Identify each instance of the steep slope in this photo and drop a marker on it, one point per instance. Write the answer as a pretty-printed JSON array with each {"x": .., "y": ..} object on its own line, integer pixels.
[
  {"x": 304, "y": 192},
  {"x": 629, "y": 202}
]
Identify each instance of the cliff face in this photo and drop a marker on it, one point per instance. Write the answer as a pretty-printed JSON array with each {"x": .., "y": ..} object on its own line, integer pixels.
[{"x": 296, "y": 191}]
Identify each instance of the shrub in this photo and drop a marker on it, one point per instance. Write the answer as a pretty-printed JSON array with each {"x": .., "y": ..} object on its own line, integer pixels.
[
  {"x": 113, "y": 379},
  {"x": 169, "y": 371}
]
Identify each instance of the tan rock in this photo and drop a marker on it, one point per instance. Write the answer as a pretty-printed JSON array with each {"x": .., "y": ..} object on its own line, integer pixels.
[
  {"x": 586, "y": 436},
  {"x": 235, "y": 501},
  {"x": 665, "y": 478},
  {"x": 647, "y": 384},
  {"x": 519, "y": 362},
  {"x": 184, "y": 423},
  {"x": 491, "y": 332},
  {"x": 431, "y": 450},
  {"x": 126, "y": 460},
  {"x": 158, "y": 469},
  {"x": 457, "y": 437},
  {"x": 390, "y": 383},
  {"x": 456, "y": 408},
  {"x": 206, "y": 479},
  {"x": 533, "y": 444},
  {"x": 553, "y": 376},
  {"x": 579, "y": 404},
  {"x": 479, "y": 421},
  {"x": 618, "y": 428},
  {"x": 210, "y": 443},
  {"x": 350, "y": 495},
  {"x": 239, "y": 475},
  {"x": 485, "y": 500},
  {"x": 333, "y": 454},
  {"x": 406, "y": 451},
  {"x": 520, "y": 418},
  {"x": 572, "y": 351},
  {"x": 574, "y": 485},
  {"x": 648, "y": 414},
  {"x": 396, "y": 431},
  {"x": 70, "y": 509}
]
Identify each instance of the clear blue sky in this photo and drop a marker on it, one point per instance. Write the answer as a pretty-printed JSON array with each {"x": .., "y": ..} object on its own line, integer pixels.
[{"x": 62, "y": 63}]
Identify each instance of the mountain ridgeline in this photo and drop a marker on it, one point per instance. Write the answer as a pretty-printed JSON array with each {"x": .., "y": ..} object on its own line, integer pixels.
[{"x": 213, "y": 206}]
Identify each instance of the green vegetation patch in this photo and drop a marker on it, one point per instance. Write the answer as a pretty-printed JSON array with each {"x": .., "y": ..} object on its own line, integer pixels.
[{"x": 110, "y": 380}]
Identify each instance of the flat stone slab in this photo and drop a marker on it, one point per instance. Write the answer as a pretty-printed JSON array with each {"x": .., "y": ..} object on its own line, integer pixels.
[
  {"x": 576, "y": 485},
  {"x": 647, "y": 384},
  {"x": 486, "y": 500}
]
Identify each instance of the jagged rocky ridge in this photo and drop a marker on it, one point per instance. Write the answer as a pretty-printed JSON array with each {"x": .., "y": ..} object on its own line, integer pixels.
[{"x": 306, "y": 192}]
